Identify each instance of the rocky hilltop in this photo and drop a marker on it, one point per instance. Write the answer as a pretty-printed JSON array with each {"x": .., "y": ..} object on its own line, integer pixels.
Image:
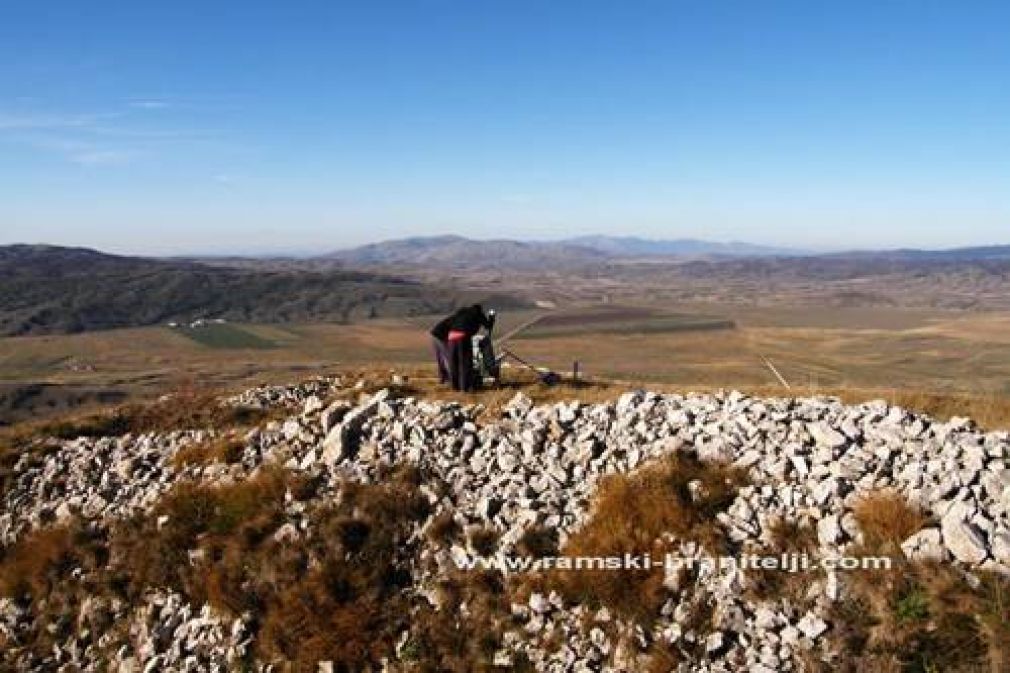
[{"x": 436, "y": 497}]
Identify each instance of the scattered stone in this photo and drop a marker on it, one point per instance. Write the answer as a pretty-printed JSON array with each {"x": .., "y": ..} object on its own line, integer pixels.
[
  {"x": 825, "y": 435},
  {"x": 924, "y": 546},
  {"x": 963, "y": 540},
  {"x": 809, "y": 460},
  {"x": 828, "y": 530},
  {"x": 812, "y": 626}
]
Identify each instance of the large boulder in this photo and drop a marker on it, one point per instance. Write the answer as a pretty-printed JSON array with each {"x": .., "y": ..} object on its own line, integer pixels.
[
  {"x": 963, "y": 540},
  {"x": 343, "y": 439}
]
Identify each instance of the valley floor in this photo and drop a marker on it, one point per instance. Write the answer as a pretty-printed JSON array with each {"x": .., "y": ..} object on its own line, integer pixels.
[{"x": 885, "y": 352}]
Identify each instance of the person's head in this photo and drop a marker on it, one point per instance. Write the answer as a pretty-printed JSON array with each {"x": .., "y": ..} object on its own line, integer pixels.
[{"x": 478, "y": 308}]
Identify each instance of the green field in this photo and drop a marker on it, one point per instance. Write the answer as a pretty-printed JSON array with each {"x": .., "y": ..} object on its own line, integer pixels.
[
  {"x": 621, "y": 322},
  {"x": 225, "y": 336}
]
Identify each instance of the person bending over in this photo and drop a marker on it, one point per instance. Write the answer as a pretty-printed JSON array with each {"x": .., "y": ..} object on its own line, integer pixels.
[{"x": 464, "y": 324}]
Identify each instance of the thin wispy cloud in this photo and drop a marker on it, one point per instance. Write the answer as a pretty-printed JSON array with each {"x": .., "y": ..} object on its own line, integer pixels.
[
  {"x": 102, "y": 157},
  {"x": 149, "y": 104},
  {"x": 81, "y": 152},
  {"x": 109, "y": 138},
  {"x": 151, "y": 134},
  {"x": 20, "y": 122}
]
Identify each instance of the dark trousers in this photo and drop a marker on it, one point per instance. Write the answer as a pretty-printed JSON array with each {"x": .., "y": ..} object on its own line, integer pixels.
[
  {"x": 441, "y": 349},
  {"x": 461, "y": 364}
]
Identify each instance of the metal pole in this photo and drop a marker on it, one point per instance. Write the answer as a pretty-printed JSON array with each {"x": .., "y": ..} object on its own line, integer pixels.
[{"x": 776, "y": 373}]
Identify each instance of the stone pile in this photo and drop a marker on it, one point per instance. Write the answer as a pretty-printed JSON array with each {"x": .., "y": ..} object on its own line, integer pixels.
[
  {"x": 540, "y": 465},
  {"x": 97, "y": 479},
  {"x": 809, "y": 462},
  {"x": 294, "y": 395}
]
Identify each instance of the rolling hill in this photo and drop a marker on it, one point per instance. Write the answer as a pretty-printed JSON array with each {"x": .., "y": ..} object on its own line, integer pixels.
[
  {"x": 457, "y": 252},
  {"x": 49, "y": 289}
]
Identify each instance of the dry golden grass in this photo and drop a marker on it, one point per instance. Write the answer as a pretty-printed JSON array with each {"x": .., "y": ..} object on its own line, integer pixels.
[
  {"x": 538, "y": 541},
  {"x": 189, "y": 407},
  {"x": 443, "y": 529},
  {"x": 916, "y": 616},
  {"x": 220, "y": 450},
  {"x": 483, "y": 540},
  {"x": 887, "y": 519},
  {"x": 349, "y": 607},
  {"x": 828, "y": 348},
  {"x": 146, "y": 554},
  {"x": 922, "y": 617},
  {"x": 787, "y": 537},
  {"x": 912, "y": 617},
  {"x": 990, "y": 410},
  {"x": 336, "y": 594},
  {"x": 307, "y": 608},
  {"x": 676, "y": 495},
  {"x": 790, "y": 537},
  {"x": 463, "y": 634},
  {"x": 40, "y": 559},
  {"x": 38, "y": 574}
]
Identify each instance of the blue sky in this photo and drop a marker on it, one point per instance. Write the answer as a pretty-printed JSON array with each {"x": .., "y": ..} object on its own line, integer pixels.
[{"x": 176, "y": 127}]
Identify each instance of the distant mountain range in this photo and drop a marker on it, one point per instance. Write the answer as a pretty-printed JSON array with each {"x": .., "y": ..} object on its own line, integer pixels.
[
  {"x": 464, "y": 253},
  {"x": 630, "y": 246},
  {"x": 970, "y": 254},
  {"x": 457, "y": 252}
]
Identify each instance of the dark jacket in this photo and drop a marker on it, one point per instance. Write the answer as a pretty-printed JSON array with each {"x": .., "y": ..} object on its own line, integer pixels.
[
  {"x": 469, "y": 320},
  {"x": 441, "y": 329}
]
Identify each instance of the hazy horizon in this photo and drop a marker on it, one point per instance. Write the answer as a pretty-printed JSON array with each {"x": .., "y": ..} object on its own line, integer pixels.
[
  {"x": 323, "y": 250},
  {"x": 249, "y": 128}
]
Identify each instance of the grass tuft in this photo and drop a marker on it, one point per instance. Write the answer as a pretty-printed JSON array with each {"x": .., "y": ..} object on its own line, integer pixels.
[
  {"x": 787, "y": 536},
  {"x": 483, "y": 540},
  {"x": 922, "y": 617},
  {"x": 632, "y": 514},
  {"x": 538, "y": 542},
  {"x": 887, "y": 519},
  {"x": 221, "y": 450},
  {"x": 911, "y": 604}
]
